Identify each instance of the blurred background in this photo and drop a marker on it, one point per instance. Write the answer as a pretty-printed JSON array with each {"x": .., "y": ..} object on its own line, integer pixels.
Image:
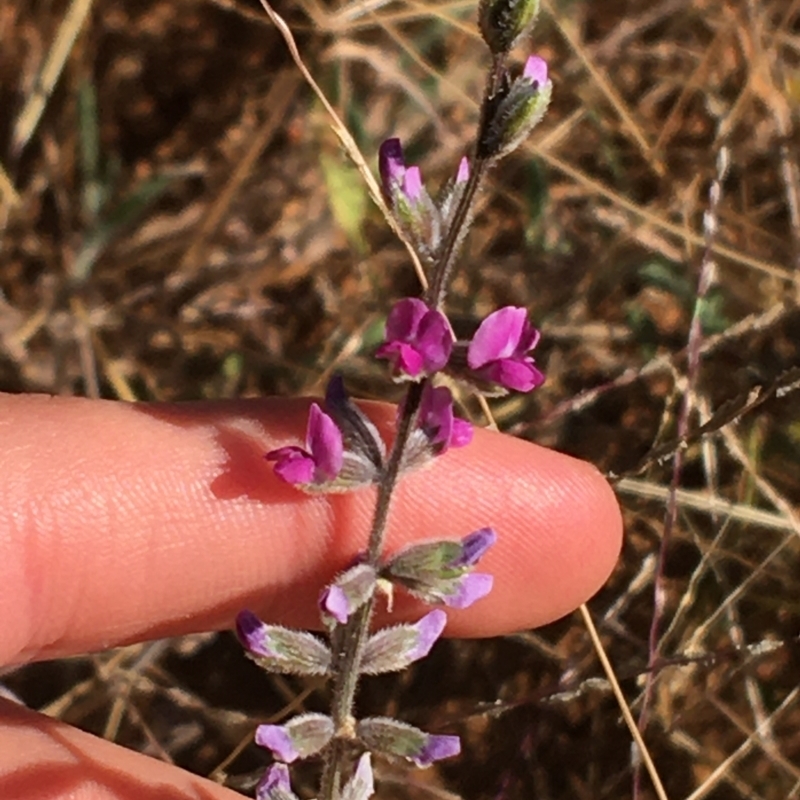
[{"x": 178, "y": 221}]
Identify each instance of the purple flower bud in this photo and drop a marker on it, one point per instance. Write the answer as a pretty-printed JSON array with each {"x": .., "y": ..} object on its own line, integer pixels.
[
  {"x": 536, "y": 70},
  {"x": 321, "y": 460},
  {"x": 278, "y": 649},
  {"x": 275, "y": 784},
  {"x": 463, "y": 171},
  {"x": 474, "y": 547},
  {"x": 301, "y": 737},
  {"x": 348, "y": 592},
  {"x": 514, "y": 110},
  {"x": 393, "y": 649},
  {"x": 394, "y": 738},
  {"x": 392, "y": 167},
  {"x": 499, "y": 350},
  {"x": 418, "y": 338},
  {"x": 438, "y": 421},
  {"x": 361, "y": 786},
  {"x": 468, "y": 589},
  {"x": 362, "y": 440}
]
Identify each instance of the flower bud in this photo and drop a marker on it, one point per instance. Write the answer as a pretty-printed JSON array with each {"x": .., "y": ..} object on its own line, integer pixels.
[
  {"x": 301, "y": 737},
  {"x": 278, "y": 649},
  {"x": 394, "y": 738},
  {"x": 504, "y": 22},
  {"x": 517, "y": 108}
]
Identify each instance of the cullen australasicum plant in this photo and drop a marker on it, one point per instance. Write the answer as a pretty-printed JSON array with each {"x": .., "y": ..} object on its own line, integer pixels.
[{"x": 344, "y": 451}]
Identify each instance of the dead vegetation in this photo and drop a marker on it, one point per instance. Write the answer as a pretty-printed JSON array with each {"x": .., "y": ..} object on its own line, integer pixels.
[{"x": 178, "y": 221}]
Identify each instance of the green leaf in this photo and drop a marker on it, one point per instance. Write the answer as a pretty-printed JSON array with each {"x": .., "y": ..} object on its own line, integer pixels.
[{"x": 347, "y": 197}]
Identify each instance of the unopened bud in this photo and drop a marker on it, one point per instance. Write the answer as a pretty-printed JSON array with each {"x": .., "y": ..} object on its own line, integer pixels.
[{"x": 504, "y": 22}]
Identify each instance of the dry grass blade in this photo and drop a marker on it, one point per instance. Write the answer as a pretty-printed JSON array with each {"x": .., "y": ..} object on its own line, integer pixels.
[
  {"x": 32, "y": 112},
  {"x": 349, "y": 144}
]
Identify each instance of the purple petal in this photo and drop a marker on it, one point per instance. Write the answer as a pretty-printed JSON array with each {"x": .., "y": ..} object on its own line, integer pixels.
[
  {"x": 324, "y": 441},
  {"x": 497, "y": 337},
  {"x": 275, "y": 784},
  {"x": 529, "y": 338},
  {"x": 412, "y": 184},
  {"x": 253, "y": 634},
  {"x": 333, "y": 601},
  {"x": 434, "y": 341},
  {"x": 276, "y": 739},
  {"x": 536, "y": 70},
  {"x": 429, "y": 629},
  {"x": 404, "y": 319},
  {"x": 463, "y": 171},
  {"x": 474, "y": 547},
  {"x": 470, "y": 588},
  {"x": 437, "y": 748},
  {"x": 404, "y": 357},
  {"x": 521, "y": 376},
  {"x": 436, "y": 414},
  {"x": 294, "y": 465},
  {"x": 392, "y": 166},
  {"x": 461, "y": 433}
]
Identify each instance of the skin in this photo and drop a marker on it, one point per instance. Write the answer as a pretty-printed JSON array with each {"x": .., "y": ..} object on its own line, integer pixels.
[{"x": 122, "y": 523}]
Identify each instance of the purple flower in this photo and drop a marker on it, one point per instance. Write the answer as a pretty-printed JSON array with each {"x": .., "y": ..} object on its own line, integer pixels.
[
  {"x": 536, "y": 70},
  {"x": 279, "y": 649},
  {"x": 393, "y": 649},
  {"x": 394, "y": 738},
  {"x": 474, "y": 547},
  {"x": 418, "y": 339},
  {"x": 440, "y": 572},
  {"x": 499, "y": 350},
  {"x": 347, "y": 593},
  {"x": 321, "y": 460},
  {"x": 396, "y": 178},
  {"x": 438, "y": 421},
  {"x": 301, "y": 737}
]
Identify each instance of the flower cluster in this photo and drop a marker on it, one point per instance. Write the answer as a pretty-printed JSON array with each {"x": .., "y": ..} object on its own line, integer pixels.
[{"x": 344, "y": 450}]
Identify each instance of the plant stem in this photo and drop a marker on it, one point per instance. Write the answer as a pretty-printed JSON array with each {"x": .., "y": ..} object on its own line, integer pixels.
[{"x": 353, "y": 636}]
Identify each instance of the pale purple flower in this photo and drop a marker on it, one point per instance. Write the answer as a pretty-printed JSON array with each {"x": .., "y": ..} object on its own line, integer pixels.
[
  {"x": 279, "y": 649},
  {"x": 393, "y": 649},
  {"x": 418, "y": 339},
  {"x": 536, "y": 70},
  {"x": 322, "y": 458},
  {"x": 395, "y": 738},
  {"x": 499, "y": 350},
  {"x": 438, "y": 422},
  {"x": 301, "y": 737},
  {"x": 474, "y": 547},
  {"x": 347, "y": 593},
  {"x": 440, "y": 572}
]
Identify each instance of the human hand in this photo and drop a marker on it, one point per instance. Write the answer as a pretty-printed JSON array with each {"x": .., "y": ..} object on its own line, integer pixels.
[{"x": 120, "y": 523}]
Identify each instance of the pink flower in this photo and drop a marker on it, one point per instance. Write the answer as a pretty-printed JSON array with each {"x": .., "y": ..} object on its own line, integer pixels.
[
  {"x": 418, "y": 339},
  {"x": 499, "y": 350},
  {"x": 322, "y": 458}
]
